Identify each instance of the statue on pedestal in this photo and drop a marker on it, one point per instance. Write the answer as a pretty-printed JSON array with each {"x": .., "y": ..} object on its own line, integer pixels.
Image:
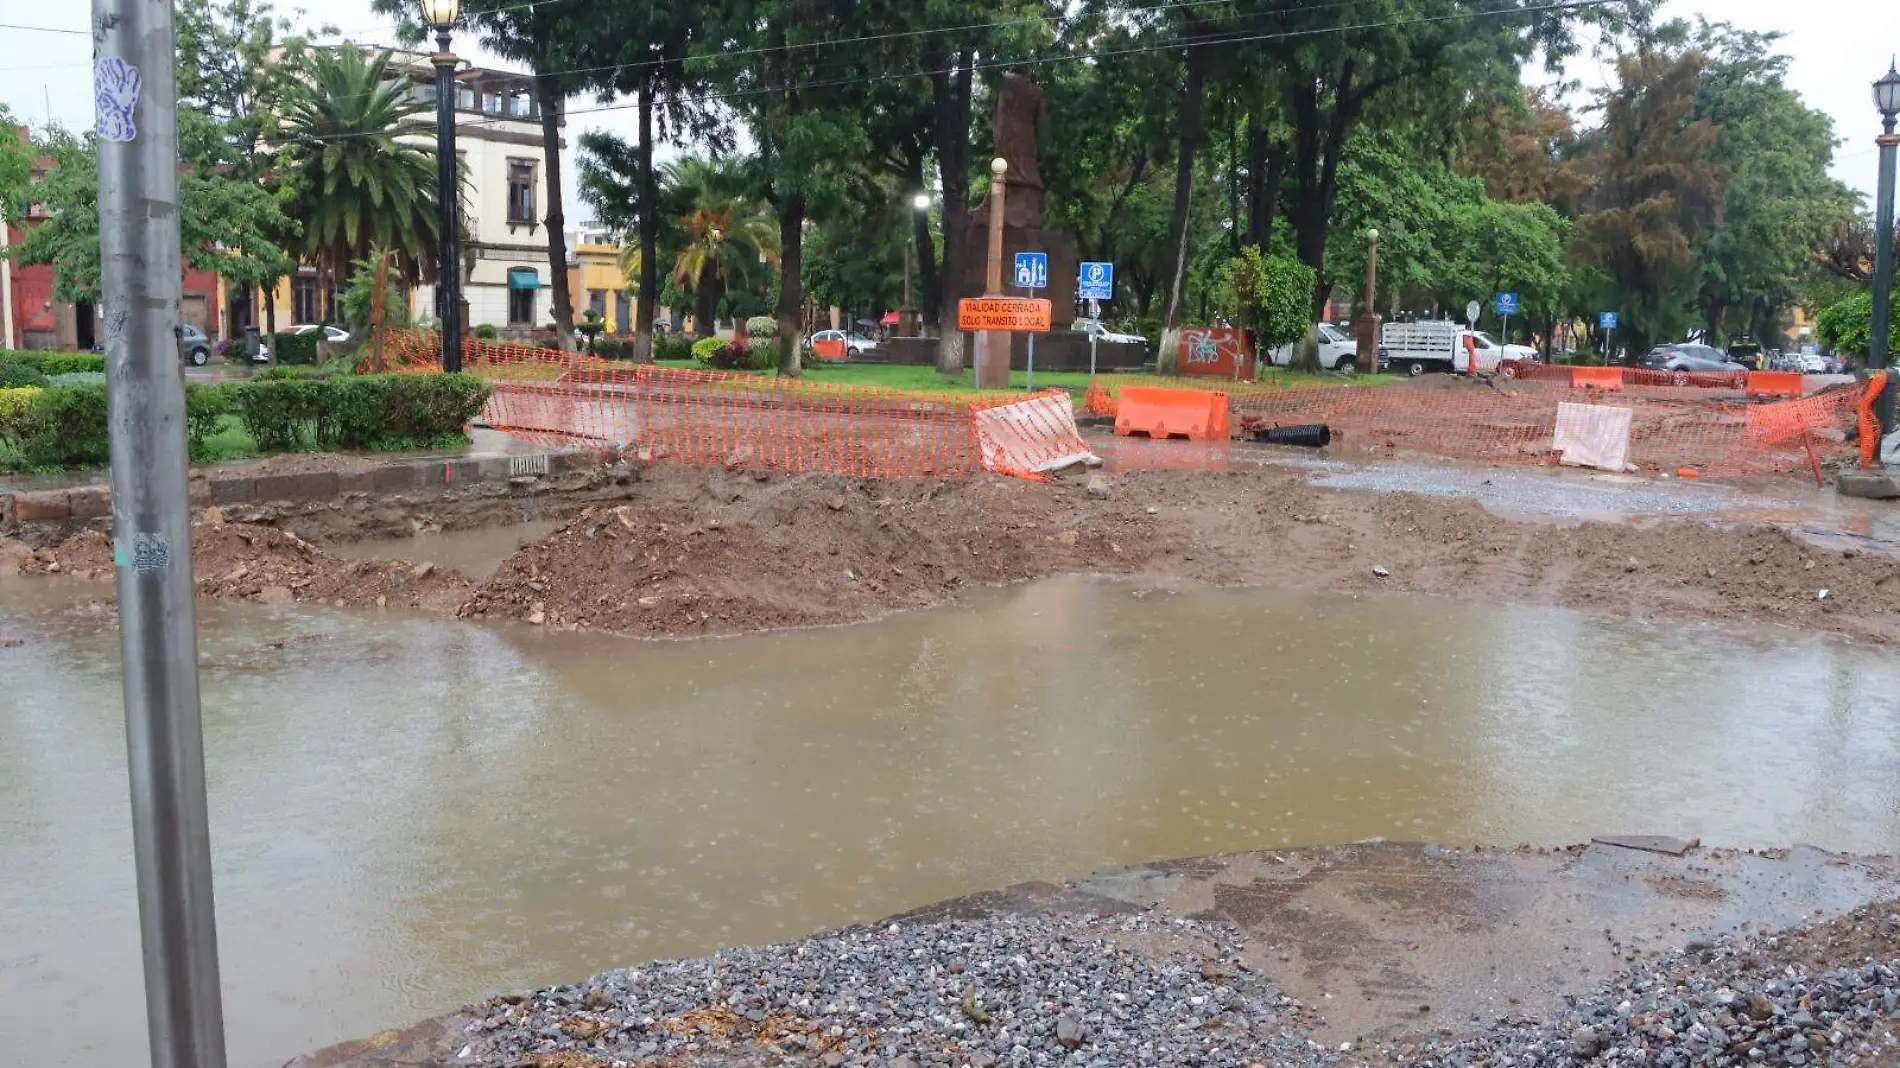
[{"x": 1017, "y": 125}]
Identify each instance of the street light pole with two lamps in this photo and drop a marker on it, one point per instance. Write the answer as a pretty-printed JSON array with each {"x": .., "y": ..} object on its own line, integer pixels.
[{"x": 440, "y": 15}]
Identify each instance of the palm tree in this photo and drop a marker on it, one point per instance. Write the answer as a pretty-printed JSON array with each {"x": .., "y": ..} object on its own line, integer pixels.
[
  {"x": 714, "y": 236},
  {"x": 355, "y": 182}
]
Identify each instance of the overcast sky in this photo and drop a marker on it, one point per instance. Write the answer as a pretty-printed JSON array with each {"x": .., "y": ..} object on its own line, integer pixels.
[{"x": 1838, "y": 47}]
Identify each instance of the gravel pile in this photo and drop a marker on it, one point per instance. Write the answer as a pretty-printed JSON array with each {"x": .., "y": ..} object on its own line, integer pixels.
[
  {"x": 1022, "y": 991},
  {"x": 1824, "y": 995}
]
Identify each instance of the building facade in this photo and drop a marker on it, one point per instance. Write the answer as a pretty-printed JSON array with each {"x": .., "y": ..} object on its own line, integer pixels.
[{"x": 506, "y": 282}]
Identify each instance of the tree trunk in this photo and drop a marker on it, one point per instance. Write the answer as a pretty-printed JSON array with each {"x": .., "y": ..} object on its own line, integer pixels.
[
  {"x": 928, "y": 298},
  {"x": 706, "y": 299},
  {"x": 270, "y": 319},
  {"x": 950, "y": 92},
  {"x": 791, "y": 284},
  {"x": 649, "y": 286},
  {"x": 552, "y": 99},
  {"x": 1264, "y": 161},
  {"x": 1318, "y": 142},
  {"x": 1192, "y": 92}
]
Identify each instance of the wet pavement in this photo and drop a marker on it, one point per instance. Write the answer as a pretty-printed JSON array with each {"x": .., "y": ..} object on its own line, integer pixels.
[{"x": 410, "y": 813}]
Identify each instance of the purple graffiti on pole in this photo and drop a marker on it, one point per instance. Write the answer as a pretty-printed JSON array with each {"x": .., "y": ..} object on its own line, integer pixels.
[{"x": 115, "y": 91}]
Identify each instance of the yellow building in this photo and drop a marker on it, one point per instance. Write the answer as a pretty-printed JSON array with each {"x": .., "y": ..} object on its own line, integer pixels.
[{"x": 596, "y": 281}]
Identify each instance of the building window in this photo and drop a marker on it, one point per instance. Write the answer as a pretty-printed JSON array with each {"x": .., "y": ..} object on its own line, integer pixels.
[
  {"x": 523, "y": 284},
  {"x": 622, "y": 321},
  {"x": 303, "y": 299},
  {"x": 520, "y": 192},
  {"x": 518, "y": 105},
  {"x": 597, "y": 303},
  {"x": 465, "y": 98}
]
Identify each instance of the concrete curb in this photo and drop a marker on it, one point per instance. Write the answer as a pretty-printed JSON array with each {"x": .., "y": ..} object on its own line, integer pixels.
[{"x": 81, "y": 503}]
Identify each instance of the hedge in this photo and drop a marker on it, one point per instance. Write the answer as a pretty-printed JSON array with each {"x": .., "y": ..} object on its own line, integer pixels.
[
  {"x": 55, "y": 363},
  {"x": 672, "y": 347},
  {"x": 19, "y": 374},
  {"x": 65, "y": 426},
  {"x": 296, "y": 348}
]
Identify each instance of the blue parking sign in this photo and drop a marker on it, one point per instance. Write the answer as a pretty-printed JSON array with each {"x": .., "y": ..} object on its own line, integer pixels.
[
  {"x": 1096, "y": 281},
  {"x": 1507, "y": 304},
  {"x": 1032, "y": 270},
  {"x": 1606, "y": 320}
]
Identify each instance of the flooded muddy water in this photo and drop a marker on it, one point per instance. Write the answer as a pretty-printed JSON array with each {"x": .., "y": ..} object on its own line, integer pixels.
[{"x": 409, "y": 813}]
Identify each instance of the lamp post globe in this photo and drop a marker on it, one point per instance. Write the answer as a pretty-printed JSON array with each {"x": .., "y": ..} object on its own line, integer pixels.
[
  {"x": 921, "y": 202},
  {"x": 1887, "y": 93},
  {"x": 998, "y": 166},
  {"x": 440, "y": 15}
]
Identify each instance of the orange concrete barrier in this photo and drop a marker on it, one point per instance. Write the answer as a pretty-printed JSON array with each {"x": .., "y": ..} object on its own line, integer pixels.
[
  {"x": 1775, "y": 384},
  {"x": 1609, "y": 378},
  {"x": 1195, "y": 414},
  {"x": 832, "y": 349}
]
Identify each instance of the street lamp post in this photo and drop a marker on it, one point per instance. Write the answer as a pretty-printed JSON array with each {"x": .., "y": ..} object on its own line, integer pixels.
[
  {"x": 1368, "y": 334},
  {"x": 440, "y": 15},
  {"x": 1887, "y": 99},
  {"x": 907, "y": 315}
]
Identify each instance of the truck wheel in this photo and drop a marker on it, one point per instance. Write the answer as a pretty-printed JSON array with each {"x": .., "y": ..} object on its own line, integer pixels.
[
  {"x": 1415, "y": 368},
  {"x": 1508, "y": 369}
]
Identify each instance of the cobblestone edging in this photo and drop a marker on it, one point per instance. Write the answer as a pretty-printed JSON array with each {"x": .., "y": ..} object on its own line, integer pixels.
[{"x": 19, "y": 510}]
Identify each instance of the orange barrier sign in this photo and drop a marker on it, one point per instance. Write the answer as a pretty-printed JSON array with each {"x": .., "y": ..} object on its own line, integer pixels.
[
  {"x": 1610, "y": 378},
  {"x": 1003, "y": 313},
  {"x": 1217, "y": 352},
  {"x": 1774, "y": 384},
  {"x": 832, "y": 349},
  {"x": 1195, "y": 414}
]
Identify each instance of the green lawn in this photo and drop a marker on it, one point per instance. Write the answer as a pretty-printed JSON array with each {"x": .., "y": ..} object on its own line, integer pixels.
[{"x": 230, "y": 442}]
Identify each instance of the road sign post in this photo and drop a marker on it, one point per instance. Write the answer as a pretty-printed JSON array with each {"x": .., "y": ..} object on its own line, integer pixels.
[
  {"x": 1507, "y": 306},
  {"x": 1095, "y": 335},
  {"x": 1095, "y": 282},
  {"x": 1607, "y": 322},
  {"x": 1032, "y": 273}
]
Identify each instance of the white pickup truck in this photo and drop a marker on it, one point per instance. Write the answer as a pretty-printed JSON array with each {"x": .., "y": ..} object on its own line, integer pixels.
[
  {"x": 1336, "y": 349},
  {"x": 1439, "y": 345}
]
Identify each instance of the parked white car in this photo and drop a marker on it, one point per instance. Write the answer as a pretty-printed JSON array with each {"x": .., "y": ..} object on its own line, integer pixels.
[
  {"x": 334, "y": 335},
  {"x": 1337, "y": 349},
  {"x": 1094, "y": 328},
  {"x": 854, "y": 342}
]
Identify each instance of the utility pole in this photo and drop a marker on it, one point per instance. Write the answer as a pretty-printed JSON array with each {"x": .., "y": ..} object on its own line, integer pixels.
[{"x": 135, "y": 94}]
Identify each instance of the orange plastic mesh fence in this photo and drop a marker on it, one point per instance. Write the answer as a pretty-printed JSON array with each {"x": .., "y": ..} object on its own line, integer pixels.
[
  {"x": 1869, "y": 424},
  {"x": 1632, "y": 376},
  {"x": 1516, "y": 422},
  {"x": 754, "y": 422}
]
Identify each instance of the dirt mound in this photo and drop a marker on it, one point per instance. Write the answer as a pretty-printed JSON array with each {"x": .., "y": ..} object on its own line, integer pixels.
[
  {"x": 248, "y": 562},
  {"x": 806, "y": 551}
]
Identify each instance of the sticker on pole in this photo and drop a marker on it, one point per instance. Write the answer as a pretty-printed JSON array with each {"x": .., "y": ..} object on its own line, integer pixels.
[
  {"x": 115, "y": 96},
  {"x": 1003, "y": 313},
  {"x": 1096, "y": 281},
  {"x": 1032, "y": 270}
]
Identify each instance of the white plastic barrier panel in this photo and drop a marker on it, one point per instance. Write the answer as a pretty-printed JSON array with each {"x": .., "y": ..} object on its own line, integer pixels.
[
  {"x": 1593, "y": 435},
  {"x": 1034, "y": 435}
]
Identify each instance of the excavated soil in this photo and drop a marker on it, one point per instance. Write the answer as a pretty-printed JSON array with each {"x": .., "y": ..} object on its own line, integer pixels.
[
  {"x": 244, "y": 561},
  {"x": 677, "y": 553}
]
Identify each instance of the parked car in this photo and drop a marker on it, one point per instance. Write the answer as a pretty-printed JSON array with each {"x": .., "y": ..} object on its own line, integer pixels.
[
  {"x": 854, "y": 342},
  {"x": 1094, "y": 328},
  {"x": 334, "y": 335},
  {"x": 1687, "y": 358},
  {"x": 1337, "y": 349},
  {"x": 1436, "y": 345},
  {"x": 193, "y": 346},
  {"x": 1816, "y": 365}
]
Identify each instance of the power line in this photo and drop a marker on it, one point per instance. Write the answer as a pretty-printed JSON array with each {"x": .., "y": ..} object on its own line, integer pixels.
[{"x": 45, "y": 29}]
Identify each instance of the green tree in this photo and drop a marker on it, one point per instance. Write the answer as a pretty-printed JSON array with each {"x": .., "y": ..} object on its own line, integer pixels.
[
  {"x": 16, "y": 169},
  {"x": 714, "y": 235},
  {"x": 1655, "y": 196},
  {"x": 1266, "y": 294},
  {"x": 1847, "y": 325},
  {"x": 353, "y": 177},
  {"x": 228, "y": 225},
  {"x": 1779, "y": 204}
]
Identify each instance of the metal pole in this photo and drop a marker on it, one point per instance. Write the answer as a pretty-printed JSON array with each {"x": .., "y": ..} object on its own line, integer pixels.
[
  {"x": 448, "y": 197},
  {"x": 1030, "y": 382},
  {"x": 1877, "y": 348},
  {"x": 135, "y": 94}
]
